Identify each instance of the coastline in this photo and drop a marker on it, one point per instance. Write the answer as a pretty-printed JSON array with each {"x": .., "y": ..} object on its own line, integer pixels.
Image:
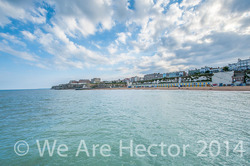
[{"x": 226, "y": 88}]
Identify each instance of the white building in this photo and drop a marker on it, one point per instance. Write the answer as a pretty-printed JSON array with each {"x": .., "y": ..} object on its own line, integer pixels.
[
  {"x": 95, "y": 80},
  {"x": 240, "y": 65},
  {"x": 205, "y": 69},
  {"x": 222, "y": 78},
  {"x": 153, "y": 76},
  {"x": 193, "y": 72},
  {"x": 216, "y": 70},
  {"x": 135, "y": 79}
]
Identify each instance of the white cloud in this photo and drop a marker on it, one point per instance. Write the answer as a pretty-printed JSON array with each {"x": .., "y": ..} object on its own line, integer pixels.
[
  {"x": 67, "y": 53},
  {"x": 158, "y": 35},
  {"x": 121, "y": 10},
  {"x": 20, "y": 54},
  {"x": 28, "y": 35},
  {"x": 122, "y": 37},
  {"x": 12, "y": 39},
  {"x": 20, "y": 10},
  {"x": 83, "y": 16},
  {"x": 112, "y": 48},
  {"x": 180, "y": 29},
  {"x": 189, "y": 3}
]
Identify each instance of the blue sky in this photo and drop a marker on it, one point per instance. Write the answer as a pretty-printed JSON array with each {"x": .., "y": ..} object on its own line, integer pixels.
[{"x": 43, "y": 43}]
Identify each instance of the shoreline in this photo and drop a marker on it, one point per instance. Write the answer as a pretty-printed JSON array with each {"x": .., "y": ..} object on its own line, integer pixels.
[{"x": 226, "y": 88}]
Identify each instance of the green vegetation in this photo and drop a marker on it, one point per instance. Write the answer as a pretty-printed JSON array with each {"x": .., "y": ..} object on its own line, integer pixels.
[
  {"x": 207, "y": 72},
  {"x": 226, "y": 68}
]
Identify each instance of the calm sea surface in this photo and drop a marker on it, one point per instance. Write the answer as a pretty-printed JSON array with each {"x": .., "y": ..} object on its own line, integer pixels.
[{"x": 214, "y": 125}]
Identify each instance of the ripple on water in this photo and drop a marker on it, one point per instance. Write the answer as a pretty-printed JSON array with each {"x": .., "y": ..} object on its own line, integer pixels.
[{"x": 109, "y": 116}]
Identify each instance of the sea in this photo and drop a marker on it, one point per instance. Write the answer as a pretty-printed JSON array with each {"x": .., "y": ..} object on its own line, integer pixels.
[{"x": 124, "y": 127}]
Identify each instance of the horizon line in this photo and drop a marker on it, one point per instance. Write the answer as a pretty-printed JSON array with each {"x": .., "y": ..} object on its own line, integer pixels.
[{"x": 25, "y": 89}]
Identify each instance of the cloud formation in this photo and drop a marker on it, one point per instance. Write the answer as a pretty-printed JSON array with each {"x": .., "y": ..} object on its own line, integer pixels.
[{"x": 131, "y": 38}]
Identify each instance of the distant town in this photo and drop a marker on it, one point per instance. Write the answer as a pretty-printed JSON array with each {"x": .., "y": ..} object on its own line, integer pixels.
[{"x": 235, "y": 74}]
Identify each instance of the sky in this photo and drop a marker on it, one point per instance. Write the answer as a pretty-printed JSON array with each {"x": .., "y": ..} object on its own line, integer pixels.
[{"x": 45, "y": 43}]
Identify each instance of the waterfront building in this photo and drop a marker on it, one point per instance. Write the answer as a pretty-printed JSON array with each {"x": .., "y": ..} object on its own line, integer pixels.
[
  {"x": 238, "y": 77},
  {"x": 84, "y": 81},
  {"x": 119, "y": 80},
  {"x": 240, "y": 65},
  {"x": 95, "y": 80},
  {"x": 182, "y": 74},
  {"x": 73, "y": 82},
  {"x": 141, "y": 79},
  {"x": 222, "y": 78},
  {"x": 205, "y": 69},
  {"x": 173, "y": 74},
  {"x": 232, "y": 67},
  {"x": 193, "y": 72},
  {"x": 126, "y": 80},
  {"x": 107, "y": 82},
  {"x": 135, "y": 79},
  {"x": 165, "y": 75},
  {"x": 153, "y": 76},
  {"x": 216, "y": 69}
]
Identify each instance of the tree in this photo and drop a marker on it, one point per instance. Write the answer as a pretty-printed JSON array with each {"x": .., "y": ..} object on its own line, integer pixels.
[
  {"x": 226, "y": 68},
  {"x": 207, "y": 71}
]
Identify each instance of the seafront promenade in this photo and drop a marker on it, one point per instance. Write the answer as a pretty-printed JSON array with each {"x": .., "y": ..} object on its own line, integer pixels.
[{"x": 224, "y": 88}]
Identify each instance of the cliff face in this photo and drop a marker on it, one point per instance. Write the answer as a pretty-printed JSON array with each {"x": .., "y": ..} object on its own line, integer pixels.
[
  {"x": 87, "y": 86},
  {"x": 68, "y": 86}
]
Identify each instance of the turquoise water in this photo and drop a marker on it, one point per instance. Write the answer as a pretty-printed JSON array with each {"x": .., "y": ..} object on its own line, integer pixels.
[{"x": 144, "y": 116}]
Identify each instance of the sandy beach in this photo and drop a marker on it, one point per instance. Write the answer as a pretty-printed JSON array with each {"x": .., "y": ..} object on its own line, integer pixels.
[{"x": 226, "y": 88}]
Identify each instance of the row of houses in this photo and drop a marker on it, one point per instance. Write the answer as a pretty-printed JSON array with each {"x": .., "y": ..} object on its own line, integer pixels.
[
  {"x": 156, "y": 76},
  {"x": 86, "y": 81},
  {"x": 228, "y": 78},
  {"x": 205, "y": 69},
  {"x": 235, "y": 73},
  {"x": 132, "y": 79},
  {"x": 241, "y": 65}
]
